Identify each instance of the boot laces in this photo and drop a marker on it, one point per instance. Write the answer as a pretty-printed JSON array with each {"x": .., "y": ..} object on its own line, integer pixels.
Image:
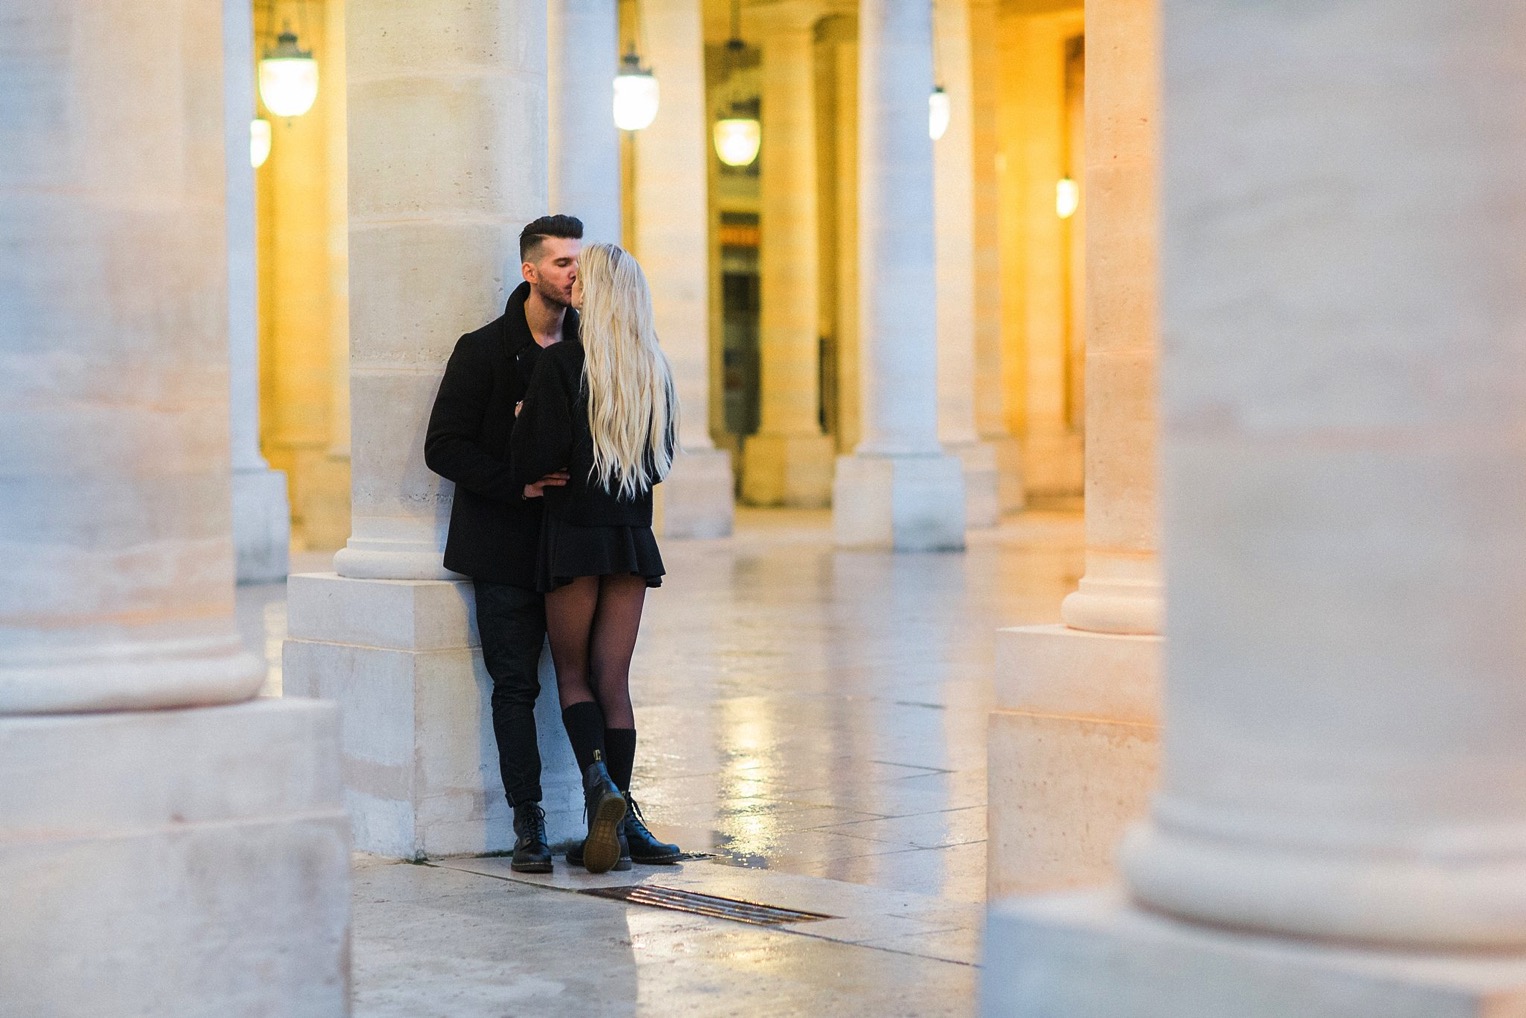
[{"x": 530, "y": 821}]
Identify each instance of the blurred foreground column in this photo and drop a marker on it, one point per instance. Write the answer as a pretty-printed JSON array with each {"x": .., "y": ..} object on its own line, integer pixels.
[
  {"x": 898, "y": 489},
  {"x": 447, "y": 149},
  {"x": 1074, "y": 740},
  {"x": 1344, "y": 442},
  {"x": 169, "y": 846},
  {"x": 673, "y": 243}
]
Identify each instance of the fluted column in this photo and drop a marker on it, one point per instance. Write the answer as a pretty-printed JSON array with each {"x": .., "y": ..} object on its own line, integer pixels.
[
  {"x": 447, "y": 148},
  {"x": 132, "y": 766},
  {"x": 261, "y": 511},
  {"x": 1074, "y": 730},
  {"x": 672, "y": 238},
  {"x": 789, "y": 460},
  {"x": 584, "y": 53},
  {"x": 955, "y": 183},
  {"x": 898, "y": 489}
]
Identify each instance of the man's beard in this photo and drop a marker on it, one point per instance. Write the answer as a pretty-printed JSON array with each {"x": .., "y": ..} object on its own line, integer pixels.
[{"x": 554, "y": 296}]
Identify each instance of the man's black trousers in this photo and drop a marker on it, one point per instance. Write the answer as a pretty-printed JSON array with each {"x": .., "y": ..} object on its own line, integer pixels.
[{"x": 512, "y": 624}]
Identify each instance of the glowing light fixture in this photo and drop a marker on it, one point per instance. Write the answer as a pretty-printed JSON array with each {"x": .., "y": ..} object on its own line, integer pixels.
[
  {"x": 1067, "y": 198},
  {"x": 937, "y": 113},
  {"x": 737, "y": 140},
  {"x": 259, "y": 142},
  {"x": 288, "y": 77},
  {"x": 636, "y": 94}
]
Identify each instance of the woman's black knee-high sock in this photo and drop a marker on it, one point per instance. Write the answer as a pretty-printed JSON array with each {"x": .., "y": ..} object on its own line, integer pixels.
[
  {"x": 584, "y": 722},
  {"x": 620, "y": 751}
]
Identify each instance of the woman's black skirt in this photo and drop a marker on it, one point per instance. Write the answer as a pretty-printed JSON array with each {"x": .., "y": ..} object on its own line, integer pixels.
[{"x": 568, "y": 551}]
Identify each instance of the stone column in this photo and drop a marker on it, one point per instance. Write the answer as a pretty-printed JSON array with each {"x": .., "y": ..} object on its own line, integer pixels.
[
  {"x": 673, "y": 243},
  {"x": 584, "y": 54},
  {"x": 990, "y": 375},
  {"x": 954, "y": 180},
  {"x": 447, "y": 149},
  {"x": 144, "y": 801},
  {"x": 1344, "y": 471},
  {"x": 789, "y": 460},
  {"x": 261, "y": 511},
  {"x": 898, "y": 489},
  {"x": 1074, "y": 731}
]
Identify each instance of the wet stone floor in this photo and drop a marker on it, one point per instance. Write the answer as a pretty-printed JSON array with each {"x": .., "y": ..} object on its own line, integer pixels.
[{"x": 814, "y": 721}]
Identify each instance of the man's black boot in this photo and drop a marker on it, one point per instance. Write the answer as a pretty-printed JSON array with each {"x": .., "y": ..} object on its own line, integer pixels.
[
  {"x": 645, "y": 848},
  {"x": 531, "y": 853},
  {"x": 606, "y": 809}
]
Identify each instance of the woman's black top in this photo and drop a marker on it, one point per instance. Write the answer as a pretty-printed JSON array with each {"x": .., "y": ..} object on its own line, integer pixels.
[{"x": 587, "y": 530}]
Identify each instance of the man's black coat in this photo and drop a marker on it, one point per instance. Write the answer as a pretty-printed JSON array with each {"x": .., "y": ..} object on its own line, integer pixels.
[{"x": 494, "y": 529}]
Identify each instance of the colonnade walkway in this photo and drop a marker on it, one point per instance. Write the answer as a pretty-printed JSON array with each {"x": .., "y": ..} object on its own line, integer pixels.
[{"x": 813, "y": 721}]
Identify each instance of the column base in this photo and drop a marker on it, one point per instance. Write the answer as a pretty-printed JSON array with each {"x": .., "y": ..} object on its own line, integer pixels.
[
  {"x": 982, "y": 483},
  {"x": 787, "y": 470},
  {"x": 907, "y": 503},
  {"x": 1081, "y": 955},
  {"x": 189, "y": 862},
  {"x": 696, "y": 499},
  {"x": 261, "y": 525},
  {"x": 1073, "y": 754},
  {"x": 402, "y": 659}
]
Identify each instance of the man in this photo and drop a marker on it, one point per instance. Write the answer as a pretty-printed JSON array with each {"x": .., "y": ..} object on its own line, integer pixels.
[{"x": 495, "y": 524}]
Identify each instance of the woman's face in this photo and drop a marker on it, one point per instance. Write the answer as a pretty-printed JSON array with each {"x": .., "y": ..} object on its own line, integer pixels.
[{"x": 577, "y": 292}]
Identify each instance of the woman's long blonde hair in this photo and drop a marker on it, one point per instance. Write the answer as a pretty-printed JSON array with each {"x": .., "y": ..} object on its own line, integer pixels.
[{"x": 632, "y": 405}]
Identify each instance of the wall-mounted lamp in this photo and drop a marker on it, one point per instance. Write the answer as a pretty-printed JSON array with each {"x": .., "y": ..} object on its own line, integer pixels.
[
  {"x": 937, "y": 113},
  {"x": 1067, "y": 197},
  {"x": 259, "y": 142}
]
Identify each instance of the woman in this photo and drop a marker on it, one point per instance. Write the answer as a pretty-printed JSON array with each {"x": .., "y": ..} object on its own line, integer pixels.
[{"x": 605, "y": 411}]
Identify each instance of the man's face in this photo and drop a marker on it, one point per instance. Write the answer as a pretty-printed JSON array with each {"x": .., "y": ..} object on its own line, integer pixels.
[{"x": 554, "y": 270}]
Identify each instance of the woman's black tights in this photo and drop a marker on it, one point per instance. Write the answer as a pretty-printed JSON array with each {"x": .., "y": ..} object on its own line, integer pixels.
[{"x": 592, "y": 624}]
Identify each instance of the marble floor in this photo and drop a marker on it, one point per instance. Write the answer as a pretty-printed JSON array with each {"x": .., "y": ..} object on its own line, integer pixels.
[{"x": 813, "y": 721}]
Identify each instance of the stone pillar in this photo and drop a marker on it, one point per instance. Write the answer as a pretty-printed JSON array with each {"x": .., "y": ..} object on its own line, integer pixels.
[
  {"x": 1344, "y": 469},
  {"x": 148, "y": 810},
  {"x": 898, "y": 489},
  {"x": 990, "y": 372},
  {"x": 954, "y": 180},
  {"x": 437, "y": 201},
  {"x": 584, "y": 53},
  {"x": 1073, "y": 736},
  {"x": 261, "y": 511},
  {"x": 673, "y": 243},
  {"x": 789, "y": 460}
]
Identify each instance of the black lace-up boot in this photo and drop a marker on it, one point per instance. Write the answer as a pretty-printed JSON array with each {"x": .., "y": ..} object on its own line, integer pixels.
[
  {"x": 645, "y": 848},
  {"x": 531, "y": 853},
  {"x": 606, "y": 809},
  {"x": 575, "y": 854}
]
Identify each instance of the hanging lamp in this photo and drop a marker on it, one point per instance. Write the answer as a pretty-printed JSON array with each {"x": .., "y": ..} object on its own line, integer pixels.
[
  {"x": 737, "y": 135},
  {"x": 259, "y": 142},
  {"x": 937, "y": 113},
  {"x": 288, "y": 77}
]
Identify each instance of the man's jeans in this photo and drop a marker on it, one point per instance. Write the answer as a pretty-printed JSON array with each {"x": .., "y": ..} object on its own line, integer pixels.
[{"x": 512, "y": 624}]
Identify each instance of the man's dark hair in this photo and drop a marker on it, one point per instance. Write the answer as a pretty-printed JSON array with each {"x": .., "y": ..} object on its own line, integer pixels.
[{"x": 530, "y": 237}]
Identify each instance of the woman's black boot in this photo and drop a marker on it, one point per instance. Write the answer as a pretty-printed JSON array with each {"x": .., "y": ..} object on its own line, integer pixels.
[
  {"x": 606, "y": 810},
  {"x": 645, "y": 848}
]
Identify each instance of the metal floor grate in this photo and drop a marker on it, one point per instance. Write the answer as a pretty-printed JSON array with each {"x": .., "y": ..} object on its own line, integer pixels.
[{"x": 706, "y": 904}]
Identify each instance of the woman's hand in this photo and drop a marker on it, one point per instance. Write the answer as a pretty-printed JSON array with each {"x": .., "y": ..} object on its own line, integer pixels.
[{"x": 553, "y": 480}]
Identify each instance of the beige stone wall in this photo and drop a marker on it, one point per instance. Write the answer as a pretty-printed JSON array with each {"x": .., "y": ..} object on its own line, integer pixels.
[{"x": 302, "y": 293}]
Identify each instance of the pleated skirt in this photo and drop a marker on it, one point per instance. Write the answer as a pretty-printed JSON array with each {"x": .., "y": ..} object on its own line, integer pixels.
[{"x": 568, "y": 551}]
